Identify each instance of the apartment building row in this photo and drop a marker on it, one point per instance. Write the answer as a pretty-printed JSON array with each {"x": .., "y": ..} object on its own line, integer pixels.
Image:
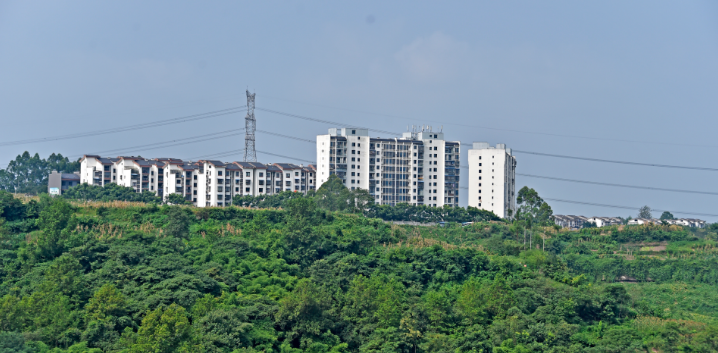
[
  {"x": 687, "y": 222},
  {"x": 419, "y": 168},
  {"x": 205, "y": 183},
  {"x": 576, "y": 222}
]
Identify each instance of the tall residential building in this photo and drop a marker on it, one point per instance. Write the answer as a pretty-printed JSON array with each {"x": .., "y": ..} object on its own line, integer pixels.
[
  {"x": 205, "y": 183},
  {"x": 492, "y": 179},
  {"x": 420, "y": 168}
]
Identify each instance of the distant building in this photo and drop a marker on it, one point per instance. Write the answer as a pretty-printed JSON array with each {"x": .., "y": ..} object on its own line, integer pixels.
[
  {"x": 688, "y": 222},
  {"x": 205, "y": 183},
  {"x": 640, "y": 221},
  {"x": 420, "y": 168},
  {"x": 605, "y": 221},
  {"x": 492, "y": 179},
  {"x": 569, "y": 221},
  {"x": 57, "y": 183}
]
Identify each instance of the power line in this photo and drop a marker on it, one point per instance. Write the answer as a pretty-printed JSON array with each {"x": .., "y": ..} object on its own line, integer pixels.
[
  {"x": 519, "y": 151},
  {"x": 287, "y": 136},
  {"x": 631, "y": 208},
  {"x": 498, "y": 129},
  {"x": 171, "y": 143},
  {"x": 129, "y": 127},
  {"x": 322, "y": 121},
  {"x": 618, "y": 162},
  {"x": 216, "y": 155},
  {"x": 619, "y": 185},
  {"x": 293, "y": 158}
]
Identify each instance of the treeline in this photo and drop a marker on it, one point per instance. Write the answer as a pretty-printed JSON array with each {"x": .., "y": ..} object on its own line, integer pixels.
[
  {"x": 331, "y": 196},
  {"x": 109, "y": 192},
  {"x": 29, "y": 173}
]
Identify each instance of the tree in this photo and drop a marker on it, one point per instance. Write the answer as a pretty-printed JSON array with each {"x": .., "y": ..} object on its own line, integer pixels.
[
  {"x": 178, "y": 222},
  {"x": 333, "y": 195},
  {"x": 666, "y": 215},
  {"x": 107, "y": 301},
  {"x": 53, "y": 220},
  {"x": 29, "y": 174},
  {"x": 177, "y": 199},
  {"x": 109, "y": 192},
  {"x": 645, "y": 212},
  {"x": 532, "y": 208},
  {"x": 165, "y": 330}
]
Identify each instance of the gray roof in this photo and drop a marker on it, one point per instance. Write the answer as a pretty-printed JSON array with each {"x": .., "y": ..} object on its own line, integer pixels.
[
  {"x": 70, "y": 176},
  {"x": 287, "y": 166},
  {"x": 251, "y": 165}
]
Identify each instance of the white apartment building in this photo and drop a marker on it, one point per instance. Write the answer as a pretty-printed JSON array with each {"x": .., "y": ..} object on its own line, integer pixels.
[
  {"x": 420, "y": 168},
  {"x": 492, "y": 179},
  {"x": 206, "y": 183}
]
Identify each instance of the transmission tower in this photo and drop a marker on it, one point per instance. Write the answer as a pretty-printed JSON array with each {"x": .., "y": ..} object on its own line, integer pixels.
[{"x": 250, "y": 125}]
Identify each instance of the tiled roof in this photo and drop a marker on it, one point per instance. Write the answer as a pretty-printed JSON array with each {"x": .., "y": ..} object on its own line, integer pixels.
[
  {"x": 251, "y": 165},
  {"x": 215, "y": 163}
]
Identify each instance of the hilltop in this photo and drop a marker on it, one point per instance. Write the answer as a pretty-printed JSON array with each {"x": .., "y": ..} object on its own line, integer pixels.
[{"x": 122, "y": 276}]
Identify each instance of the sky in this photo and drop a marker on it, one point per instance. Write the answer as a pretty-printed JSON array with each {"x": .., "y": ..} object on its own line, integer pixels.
[{"x": 631, "y": 81}]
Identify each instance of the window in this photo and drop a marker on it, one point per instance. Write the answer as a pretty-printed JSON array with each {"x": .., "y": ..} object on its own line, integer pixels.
[
  {"x": 288, "y": 175},
  {"x": 235, "y": 190},
  {"x": 261, "y": 174},
  {"x": 353, "y": 144},
  {"x": 354, "y": 132},
  {"x": 248, "y": 174},
  {"x": 219, "y": 172},
  {"x": 261, "y": 190},
  {"x": 296, "y": 173},
  {"x": 261, "y": 182},
  {"x": 246, "y": 190}
]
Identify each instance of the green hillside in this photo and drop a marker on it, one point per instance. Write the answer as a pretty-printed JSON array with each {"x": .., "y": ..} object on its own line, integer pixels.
[{"x": 133, "y": 277}]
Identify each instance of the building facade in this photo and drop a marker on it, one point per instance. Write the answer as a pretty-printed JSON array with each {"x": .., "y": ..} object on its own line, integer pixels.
[
  {"x": 205, "y": 183},
  {"x": 492, "y": 179},
  {"x": 57, "y": 183},
  {"x": 420, "y": 168}
]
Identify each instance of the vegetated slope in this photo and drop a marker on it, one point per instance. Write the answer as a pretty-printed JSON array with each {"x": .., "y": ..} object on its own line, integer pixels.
[{"x": 304, "y": 279}]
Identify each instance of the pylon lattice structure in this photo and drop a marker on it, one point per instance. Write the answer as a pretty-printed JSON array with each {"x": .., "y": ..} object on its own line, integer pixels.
[{"x": 250, "y": 126}]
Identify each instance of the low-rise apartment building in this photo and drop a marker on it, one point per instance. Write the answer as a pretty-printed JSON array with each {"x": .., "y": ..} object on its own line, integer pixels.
[
  {"x": 420, "y": 168},
  {"x": 57, "y": 183},
  {"x": 205, "y": 183},
  {"x": 570, "y": 221}
]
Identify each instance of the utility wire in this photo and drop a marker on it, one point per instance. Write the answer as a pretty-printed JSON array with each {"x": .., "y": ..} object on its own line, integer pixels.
[
  {"x": 287, "y": 136},
  {"x": 616, "y": 185},
  {"x": 216, "y": 155},
  {"x": 129, "y": 127},
  {"x": 323, "y": 121},
  {"x": 171, "y": 143},
  {"x": 620, "y": 185},
  {"x": 619, "y": 162},
  {"x": 279, "y": 155},
  {"x": 495, "y": 128},
  {"x": 519, "y": 151},
  {"x": 631, "y": 208}
]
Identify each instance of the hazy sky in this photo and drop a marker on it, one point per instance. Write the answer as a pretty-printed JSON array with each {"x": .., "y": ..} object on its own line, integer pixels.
[{"x": 634, "y": 81}]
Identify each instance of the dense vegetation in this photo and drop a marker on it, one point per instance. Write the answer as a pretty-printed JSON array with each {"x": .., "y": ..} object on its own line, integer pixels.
[
  {"x": 306, "y": 279},
  {"x": 111, "y": 192}
]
